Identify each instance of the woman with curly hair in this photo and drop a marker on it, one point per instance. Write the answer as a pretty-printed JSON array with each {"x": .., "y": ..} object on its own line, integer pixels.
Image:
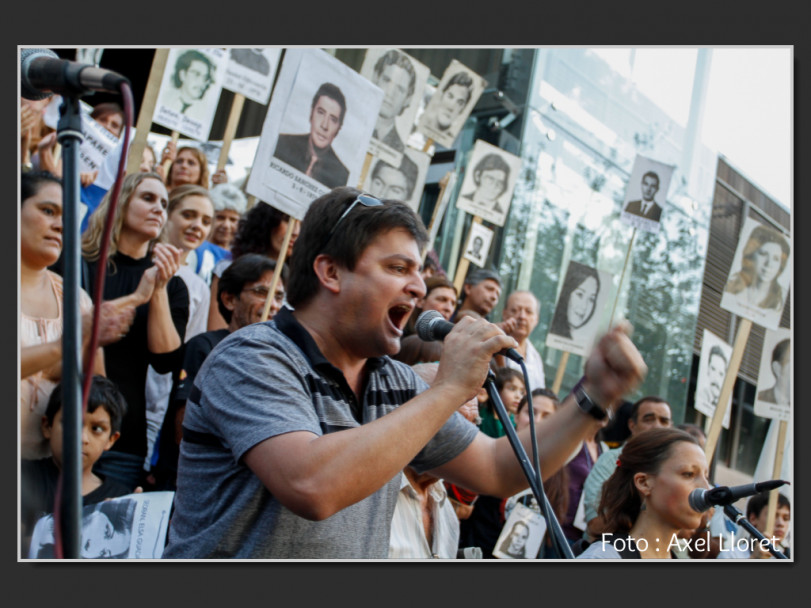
[
  {"x": 645, "y": 502},
  {"x": 764, "y": 258},
  {"x": 260, "y": 230}
]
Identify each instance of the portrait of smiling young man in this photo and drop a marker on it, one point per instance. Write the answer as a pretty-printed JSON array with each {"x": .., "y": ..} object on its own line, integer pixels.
[{"x": 297, "y": 429}]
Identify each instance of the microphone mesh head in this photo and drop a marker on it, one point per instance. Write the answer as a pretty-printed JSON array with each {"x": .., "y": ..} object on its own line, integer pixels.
[
  {"x": 425, "y": 324},
  {"x": 27, "y": 89},
  {"x": 697, "y": 502}
]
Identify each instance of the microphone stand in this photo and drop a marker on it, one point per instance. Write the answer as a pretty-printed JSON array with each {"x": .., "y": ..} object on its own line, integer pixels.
[
  {"x": 69, "y": 135},
  {"x": 735, "y": 515},
  {"x": 532, "y": 476}
]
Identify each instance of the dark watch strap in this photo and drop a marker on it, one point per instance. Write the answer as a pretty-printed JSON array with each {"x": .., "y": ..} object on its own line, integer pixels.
[{"x": 585, "y": 403}]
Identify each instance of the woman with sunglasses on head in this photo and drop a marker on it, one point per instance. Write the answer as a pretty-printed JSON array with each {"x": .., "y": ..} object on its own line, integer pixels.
[
  {"x": 645, "y": 502},
  {"x": 138, "y": 262}
]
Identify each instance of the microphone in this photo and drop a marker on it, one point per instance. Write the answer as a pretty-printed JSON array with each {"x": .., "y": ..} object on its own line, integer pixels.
[
  {"x": 43, "y": 73},
  {"x": 431, "y": 325},
  {"x": 701, "y": 499}
]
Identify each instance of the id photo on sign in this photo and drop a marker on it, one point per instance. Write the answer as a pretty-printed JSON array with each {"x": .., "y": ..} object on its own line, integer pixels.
[
  {"x": 316, "y": 132},
  {"x": 773, "y": 396},
  {"x": 190, "y": 91},
  {"x": 646, "y": 193},
  {"x": 250, "y": 72},
  {"x": 490, "y": 177},
  {"x": 404, "y": 181},
  {"x": 758, "y": 283},
  {"x": 402, "y": 80},
  {"x": 582, "y": 300},
  {"x": 451, "y": 104},
  {"x": 712, "y": 369},
  {"x": 478, "y": 244}
]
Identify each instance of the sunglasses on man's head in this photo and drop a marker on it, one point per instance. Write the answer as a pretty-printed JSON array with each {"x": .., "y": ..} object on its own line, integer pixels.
[{"x": 363, "y": 199}]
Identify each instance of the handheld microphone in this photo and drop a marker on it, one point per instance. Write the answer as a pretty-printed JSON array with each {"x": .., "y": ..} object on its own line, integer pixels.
[
  {"x": 701, "y": 499},
  {"x": 43, "y": 73},
  {"x": 431, "y": 325}
]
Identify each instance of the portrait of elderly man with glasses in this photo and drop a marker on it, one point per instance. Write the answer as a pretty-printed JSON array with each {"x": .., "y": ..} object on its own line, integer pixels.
[{"x": 297, "y": 429}]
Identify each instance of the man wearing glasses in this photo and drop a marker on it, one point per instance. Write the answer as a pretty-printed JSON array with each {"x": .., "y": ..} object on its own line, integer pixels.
[
  {"x": 296, "y": 430},
  {"x": 193, "y": 75},
  {"x": 241, "y": 294}
]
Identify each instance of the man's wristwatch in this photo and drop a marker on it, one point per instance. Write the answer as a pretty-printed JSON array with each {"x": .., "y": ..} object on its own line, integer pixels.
[{"x": 585, "y": 403}]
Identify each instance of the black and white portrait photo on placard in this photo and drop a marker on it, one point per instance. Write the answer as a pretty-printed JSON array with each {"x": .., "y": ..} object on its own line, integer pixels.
[
  {"x": 402, "y": 80},
  {"x": 712, "y": 369},
  {"x": 451, "y": 104},
  {"x": 773, "y": 396},
  {"x": 522, "y": 534},
  {"x": 489, "y": 182},
  {"x": 316, "y": 131},
  {"x": 582, "y": 300},
  {"x": 478, "y": 244},
  {"x": 132, "y": 526},
  {"x": 250, "y": 72},
  {"x": 404, "y": 181},
  {"x": 190, "y": 91},
  {"x": 646, "y": 193},
  {"x": 758, "y": 283}
]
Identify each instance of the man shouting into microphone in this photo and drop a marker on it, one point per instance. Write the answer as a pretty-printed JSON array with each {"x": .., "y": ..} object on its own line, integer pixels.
[{"x": 297, "y": 428}]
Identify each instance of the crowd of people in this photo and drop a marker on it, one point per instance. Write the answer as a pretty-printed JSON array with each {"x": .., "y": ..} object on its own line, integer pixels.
[{"x": 333, "y": 429}]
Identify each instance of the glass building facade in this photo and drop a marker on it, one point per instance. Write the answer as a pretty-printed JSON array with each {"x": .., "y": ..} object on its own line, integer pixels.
[{"x": 582, "y": 123}]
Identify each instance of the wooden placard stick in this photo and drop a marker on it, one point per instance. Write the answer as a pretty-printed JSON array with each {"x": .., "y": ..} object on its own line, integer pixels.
[
  {"x": 744, "y": 328},
  {"x": 776, "y": 471},
  {"x": 564, "y": 359},
  {"x": 168, "y": 163},
  {"x": 443, "y": 184},
  {"x": 464, "y": 263},
  {"x": 367, "y": 162},
  {"x": 622, "y": 276},
  {"x": 428, "y": 143},
  {"x": 230, "y": 129},
  {"x": 277, "y": 272},
  {"x": 144, "y": 122}
]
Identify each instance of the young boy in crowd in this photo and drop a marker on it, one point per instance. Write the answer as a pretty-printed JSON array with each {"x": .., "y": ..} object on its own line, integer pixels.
[{"x": 101, "y": 426}]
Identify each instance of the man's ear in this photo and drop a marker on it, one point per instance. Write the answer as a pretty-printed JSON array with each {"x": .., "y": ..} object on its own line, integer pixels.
[
  {"x": 328, "y": 272},
  {"x": 113, "y": 438},
  {"x": 229, "y": 300},
  {"x": 631, "y": 425}
]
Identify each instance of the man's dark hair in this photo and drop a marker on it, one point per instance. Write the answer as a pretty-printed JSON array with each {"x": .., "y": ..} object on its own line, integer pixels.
[
  {"x": 490, "y": 162},
  {"x": 537, "y": 392},
  {"x": 394, "y": 57},
  {"x": 103, "y": 393},
  {"x": 635, "y": 407},
  {"x": 245, "y": 269},
  {"x": 652, "y": 174},
  {"x": 32, "y": 181},
  {"x": 184, "y": 61},
  {"x": 407, "y": 167},
  {"x": 716, "y": 350},
  {"x": 757, "y": 503},
  {"x": 780, "y": 350},
  {"x": 347, "y": 244},
  {"x": 330, "y": 90},
  {"x": 462, "y": 79}
]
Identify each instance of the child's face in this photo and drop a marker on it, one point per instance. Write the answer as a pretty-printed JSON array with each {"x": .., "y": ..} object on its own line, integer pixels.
[
  {"x": 511, "y": 394},
  {"x": 97, "y": 436}
]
